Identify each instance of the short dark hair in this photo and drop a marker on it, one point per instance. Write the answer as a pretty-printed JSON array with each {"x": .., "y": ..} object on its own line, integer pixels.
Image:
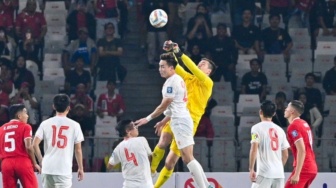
[
  {"x": 274, "y": 15},
  {"x": 15, "y": 109},
  {"x": 61, "y": 102},
  {"x": 268, "y": 108},
  {"x": 212, "y": 65},
  {"x": 79, "y": 57},
  {"x": 169, "y": 58},
  {"x": 310, "y": 74},
  {"x": 122, "y": 126},
  {"x": 255, "y": 60},
  {"x": 298, "y": 106},
  {"x": 108, "y": 24},
  {"x": 113, "y": 82},
  {"x": 281, "y": 94},
  {"x": 221, "y": 25}
]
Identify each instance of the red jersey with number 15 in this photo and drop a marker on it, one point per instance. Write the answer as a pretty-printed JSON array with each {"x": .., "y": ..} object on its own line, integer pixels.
[
  {"x": 12, "y": 136},
  {"x": 299, "y": 129}
]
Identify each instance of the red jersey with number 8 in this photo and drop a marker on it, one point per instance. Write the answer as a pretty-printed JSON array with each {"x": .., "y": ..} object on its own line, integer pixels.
[
  {"x": 12, "y": 136},
  {"x": 299, "y": 129}
]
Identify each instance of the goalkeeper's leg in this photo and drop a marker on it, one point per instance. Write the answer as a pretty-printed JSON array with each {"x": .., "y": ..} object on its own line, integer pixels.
[{"x": 159, "y": 150}]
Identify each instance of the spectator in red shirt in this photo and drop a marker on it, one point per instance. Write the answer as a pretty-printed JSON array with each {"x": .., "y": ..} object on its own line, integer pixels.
[
  {"x": 31, "y": 27},
  {"x": 6, "y": 20},
  {"x": 205, "y": 128},
  {"x": 80, "y": 18},
  {"x": 4, "y": 103},
  {"x": 9, "y": 7},
  {"x": 110, "y": 103},
  {"x": 80, "y": 97}
]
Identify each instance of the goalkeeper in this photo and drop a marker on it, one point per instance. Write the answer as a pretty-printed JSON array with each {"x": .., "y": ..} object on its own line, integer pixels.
[{"x": 199, "y": 89}]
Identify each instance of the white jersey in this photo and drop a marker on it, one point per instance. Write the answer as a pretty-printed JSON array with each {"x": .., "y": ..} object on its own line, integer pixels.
[
  {"x": 133, "y": 155},
  {"x": 175, "y": 88},
  {"x": 272, "y": 140},
  {"x": 60, "y": 134}
]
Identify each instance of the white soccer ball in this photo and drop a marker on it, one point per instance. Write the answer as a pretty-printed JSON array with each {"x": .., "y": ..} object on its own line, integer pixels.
[{"x": 158, "y": 18}]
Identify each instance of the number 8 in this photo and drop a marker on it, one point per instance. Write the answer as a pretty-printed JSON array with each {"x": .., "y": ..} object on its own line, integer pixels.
[{"x": 274, "y": 139}]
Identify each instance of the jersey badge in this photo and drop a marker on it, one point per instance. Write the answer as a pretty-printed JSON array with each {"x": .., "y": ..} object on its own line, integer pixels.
[
  {"x": 169, "y": 89},
  {"x": 254, "y": 137},
  {"x": 295, "y": 133}
]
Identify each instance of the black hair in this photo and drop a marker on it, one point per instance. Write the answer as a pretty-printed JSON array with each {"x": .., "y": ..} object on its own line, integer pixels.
[
  {"x": 113, "y": 82},
  {"x": 15, "y": 109},
  {"x": 79, "y": 57},
  {"x": 212, "y": 66},
  {"x": 61, "y": 102},
  {"x": 255, "y": 60},
  {"x": 221, "y": 25},
  {"x": 274, "y": 15},
  {"x": 298, "y": 106},
  {"x": 268, "y": 109},
  {"x": 123, "y": 126},
  {"x": 169, "y": 58},
  {"x": 108, "y": 24},
  {"x": 281, "y": 94},
  {"x": 310, "y": 74}
]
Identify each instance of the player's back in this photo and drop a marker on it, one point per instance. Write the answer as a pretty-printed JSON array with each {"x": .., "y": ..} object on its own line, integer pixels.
[
  {"x": 272, "y": 140},
  {"x": 60, "y": 134},
  {"x": 175, "y": 88},
  {"x": 299, "y": 129},
  {"x": 133, "y": 155},
  {"x": 12, "y": 135}
]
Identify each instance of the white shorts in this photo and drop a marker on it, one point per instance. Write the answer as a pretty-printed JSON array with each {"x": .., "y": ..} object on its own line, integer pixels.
[
  {"x": 263, "y": 182},
  {"x": 182, "y": 128},
  {"x": 56, "y": 181}
]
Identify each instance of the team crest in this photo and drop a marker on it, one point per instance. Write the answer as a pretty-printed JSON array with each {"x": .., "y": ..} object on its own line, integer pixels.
[
  {"x": 169, "y": 89},
  {"x": 295, "y": 133}
]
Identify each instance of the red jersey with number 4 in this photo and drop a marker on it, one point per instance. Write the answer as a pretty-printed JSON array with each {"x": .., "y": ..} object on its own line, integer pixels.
[
  {"x": 299, "y": 129},
  {"x": 12, "y": 136}
]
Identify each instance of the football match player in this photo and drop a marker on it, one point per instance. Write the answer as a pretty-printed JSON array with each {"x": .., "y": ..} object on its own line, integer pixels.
[
  {"x": 174, "y": 105},
  {"x": 16, "y": 150},
  {"x": 61, "y": 136},
  {"x": 269, "y": 148},
  {"x": 300, "y": 138}
]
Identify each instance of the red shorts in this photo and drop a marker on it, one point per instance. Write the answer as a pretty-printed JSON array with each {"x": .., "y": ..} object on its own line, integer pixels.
[
  {"x": 305, "y": 180},
  {"x": 18, "y": 168}
]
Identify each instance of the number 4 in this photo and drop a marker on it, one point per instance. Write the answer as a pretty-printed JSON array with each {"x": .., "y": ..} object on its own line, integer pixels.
[{"x": 131, "y": 157}]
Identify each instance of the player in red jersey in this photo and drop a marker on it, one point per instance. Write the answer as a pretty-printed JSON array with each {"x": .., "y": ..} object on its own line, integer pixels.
[
  {"x": 300, "y": 139},
  {"x": 16, "y": 150}
]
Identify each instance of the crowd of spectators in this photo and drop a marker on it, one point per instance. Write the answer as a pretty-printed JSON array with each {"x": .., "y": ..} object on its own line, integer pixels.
[{"x": 95, "y": 31}]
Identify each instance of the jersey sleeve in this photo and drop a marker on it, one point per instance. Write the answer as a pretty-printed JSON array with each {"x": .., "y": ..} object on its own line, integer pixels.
[
  {"x": 255, "y": 138},
  {"x": 39, "y": 133},
  {"x": 170, "y": 89},
  {"x": 180, "y": 71},
  {"x": 294, "y": 133},
  {"x": 79, "y": 137},
  {"x": 200, "y": 75},
  {"x": 146, "y": 145},
  {"x": 285, "y": 143},
  {"x": 114, "y": 159},
  {"x": 27, "y": 132}
]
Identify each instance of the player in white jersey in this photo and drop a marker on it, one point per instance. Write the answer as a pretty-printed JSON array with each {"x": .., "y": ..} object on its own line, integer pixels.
[
  {"x": 133, "y": 153},
  {"x": 269, "y": 147},
  {"x": 174, "y": 105},
  {"x": 61, "y": 135}
]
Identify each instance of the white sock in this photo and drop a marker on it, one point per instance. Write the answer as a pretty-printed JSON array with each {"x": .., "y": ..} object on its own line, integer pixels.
[
  {"x": 196, "y": 171},
  {"x": 205, "y": 179}
]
